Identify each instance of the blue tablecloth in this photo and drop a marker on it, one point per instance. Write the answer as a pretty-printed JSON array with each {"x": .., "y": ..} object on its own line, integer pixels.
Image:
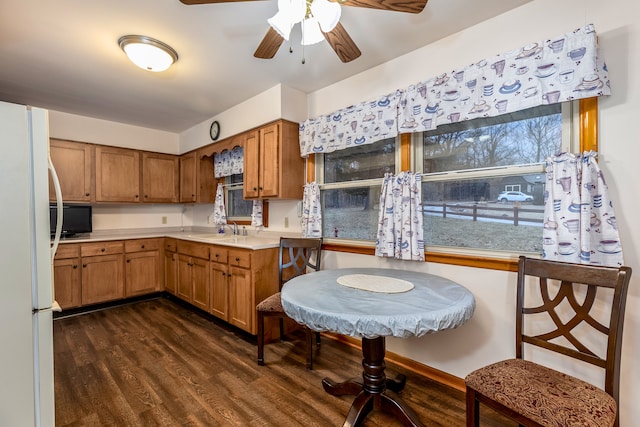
[{"x": 319, "y": 302}]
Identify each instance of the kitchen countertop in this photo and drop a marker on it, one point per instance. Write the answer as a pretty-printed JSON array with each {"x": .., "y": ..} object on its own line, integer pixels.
[{"x": 254, "y": 240}]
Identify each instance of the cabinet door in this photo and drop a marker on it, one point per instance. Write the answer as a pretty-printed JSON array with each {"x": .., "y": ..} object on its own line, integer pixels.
[
  {"x": 269, "y": 161},
  {"x": 102, "y": 278},
  {"x": 73, "y": 163},
  {"x": 200, "y": 285},
  {"x": 219, "y": 303},
  {"x": 142, "y": 273},
  {"x": 188, "y": 178},
  {"x": 117, "y": 175},
  {"x": 160, "y": 178},
  {"x": 241, "y": 301},
  {"x": 185, "y": 274},
  {"x": 66, "y": 282},
  {"x": 251, "y": 166},
  {"x": 171, "y": 272}
]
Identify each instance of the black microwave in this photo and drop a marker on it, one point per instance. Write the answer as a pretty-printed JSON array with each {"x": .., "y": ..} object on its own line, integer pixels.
[{"x": 76, "y": 219}]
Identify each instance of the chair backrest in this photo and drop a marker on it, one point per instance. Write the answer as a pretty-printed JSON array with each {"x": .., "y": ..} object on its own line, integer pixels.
[
  {"x": 565, "y": 287},
  {"x": 297, "y": 255}
]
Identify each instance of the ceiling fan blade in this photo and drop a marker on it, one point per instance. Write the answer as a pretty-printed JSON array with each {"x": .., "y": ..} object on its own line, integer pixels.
[
  {"x": 190, "y": 2},
  {"x": 342, "y": 43},
  {"x": 408, "y": 6},
  {"x": 269, "y": 45}
]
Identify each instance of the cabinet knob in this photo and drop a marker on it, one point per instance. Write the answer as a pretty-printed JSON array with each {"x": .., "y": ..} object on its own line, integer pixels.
[
  {"x": 255, "y": 189},
  {"x": 136, "y": 196},
  {"x": 217, "y": 255},
  {"x": 260, "y": 188},
  {"x": 224, "y": 274},
  {"x": 102, "y": 250},
  {"x": 146, "y": 196},
  {"x": 87, "y": 194},
  {"x": 75, "y": 266},
  {"x": 84, "y": 265},
  {"x": 237, "y": 259},
  {"x": 128, "y": 260},
  {"x": 142, "y": 246}
]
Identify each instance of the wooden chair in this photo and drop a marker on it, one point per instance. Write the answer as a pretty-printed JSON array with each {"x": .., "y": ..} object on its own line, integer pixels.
[
  {"x": 534, "y": 395},
  {"x": 297, "y": 255}
]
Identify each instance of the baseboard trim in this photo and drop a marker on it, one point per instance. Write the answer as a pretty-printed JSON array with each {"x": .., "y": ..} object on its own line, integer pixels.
[{"x": 410, "y": 364}]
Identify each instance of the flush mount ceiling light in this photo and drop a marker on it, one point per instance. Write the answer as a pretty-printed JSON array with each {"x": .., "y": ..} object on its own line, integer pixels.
[{"x": 148, "y": 53}]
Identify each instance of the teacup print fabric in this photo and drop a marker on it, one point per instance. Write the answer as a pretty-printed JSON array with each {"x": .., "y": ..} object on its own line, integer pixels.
[
  {"x": 549, "y": 71},
  {"x": 256, "y": 214},
  {"x": 219, "y": 214},
  {"x": 229, "y": 162},
  {"x": 364, "y": 123},
  {"x": 558, "y": 69},
  {"x": 580, "y": 225},
  {"x": 311, "y": 211},
  {"x": 400, "y": 233}
]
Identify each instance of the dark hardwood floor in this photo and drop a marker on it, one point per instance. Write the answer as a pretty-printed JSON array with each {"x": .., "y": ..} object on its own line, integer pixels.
[{"x": 157, "y": 363}]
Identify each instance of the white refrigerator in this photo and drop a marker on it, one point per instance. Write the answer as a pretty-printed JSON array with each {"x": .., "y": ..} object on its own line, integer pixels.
[{"x": 26, "y": 277}]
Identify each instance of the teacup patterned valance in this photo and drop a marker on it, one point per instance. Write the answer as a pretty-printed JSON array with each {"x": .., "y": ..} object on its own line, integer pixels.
[
  {"x": 549, "y": 71},
  {"x": 228, "y": 162}
]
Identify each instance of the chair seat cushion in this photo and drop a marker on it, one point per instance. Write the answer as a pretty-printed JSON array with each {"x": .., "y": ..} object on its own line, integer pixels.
[
  {"x": 544, "y": 395},
  {"x": 272, "y": 304}
]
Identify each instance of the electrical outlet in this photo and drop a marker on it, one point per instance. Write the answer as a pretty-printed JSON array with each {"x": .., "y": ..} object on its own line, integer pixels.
[
  {"x": 286, "y": 222},
  {"x": 164, "y": 219}
]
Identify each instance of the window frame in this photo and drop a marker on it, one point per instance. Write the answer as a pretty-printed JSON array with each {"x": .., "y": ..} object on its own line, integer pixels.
[{"x": 587, "y": 124}]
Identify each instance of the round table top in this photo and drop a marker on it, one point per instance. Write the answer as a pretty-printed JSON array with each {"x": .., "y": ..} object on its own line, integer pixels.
[{"x": 318, "y": 301}]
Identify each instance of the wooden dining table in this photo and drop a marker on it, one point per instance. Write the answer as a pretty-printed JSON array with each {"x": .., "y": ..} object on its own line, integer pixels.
[{"x": 371, "y": 304}]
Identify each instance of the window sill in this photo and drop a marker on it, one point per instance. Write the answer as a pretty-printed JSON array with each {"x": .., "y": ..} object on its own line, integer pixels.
[{"x": 507, "y": 263}]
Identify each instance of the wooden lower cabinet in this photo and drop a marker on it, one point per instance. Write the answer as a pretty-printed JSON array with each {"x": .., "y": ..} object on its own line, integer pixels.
[
  {"x": 143, "y": 266},
  {"x": 234, "y": 282},
  {"x": 67, "y": 276},
  {"x": 102, "y": 278}
]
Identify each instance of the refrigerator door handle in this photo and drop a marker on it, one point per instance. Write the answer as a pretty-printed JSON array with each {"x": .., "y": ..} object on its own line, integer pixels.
[
  {"x": 56, "y": 186},
  {"x": 55, "y": 307}
]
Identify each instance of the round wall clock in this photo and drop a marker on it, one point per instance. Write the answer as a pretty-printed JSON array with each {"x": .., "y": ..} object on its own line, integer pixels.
[{"x": 214, "y": 130}]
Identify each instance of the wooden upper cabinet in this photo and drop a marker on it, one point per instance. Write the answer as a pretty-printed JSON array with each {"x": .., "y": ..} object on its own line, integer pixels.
[
  {"x": 188, "y": 177},
  {"x": 160, "y": 178},
  {"x": 74, "y": 166},
  {"x": 117, "y": 174},
  {"x": 252, "y": 166},
  {"x": 273, "y": 168}
]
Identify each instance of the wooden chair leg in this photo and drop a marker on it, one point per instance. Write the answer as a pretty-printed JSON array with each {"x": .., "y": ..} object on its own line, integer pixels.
[
  {"x": 317, "y": 338},
  {"x": 309, "y": 348},
  {"x": 281, "y": 320},
  {"x": 260, "y": 338},
  {"x": 473, "y": 409}
]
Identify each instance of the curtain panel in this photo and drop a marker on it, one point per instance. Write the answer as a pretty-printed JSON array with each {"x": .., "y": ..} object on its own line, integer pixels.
[
  {"x": 311, "y": 211},
  {"x": 580, "y": 224},
  {"x": 400, "y": 233},
  {"x": 558, "y": 69},
  {"x": 219, "y": 215}
]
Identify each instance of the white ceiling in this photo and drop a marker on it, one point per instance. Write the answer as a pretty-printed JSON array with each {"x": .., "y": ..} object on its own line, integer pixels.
[{"x": 63, "y": 55}]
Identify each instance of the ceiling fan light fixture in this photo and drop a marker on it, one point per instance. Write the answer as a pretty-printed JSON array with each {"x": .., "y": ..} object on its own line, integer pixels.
[
  {"x": 148, "y": 53},
  {"x": 311, "y": 33},
  {"x": 281, "y": 23},
  {"x": 327, "y": 13}
]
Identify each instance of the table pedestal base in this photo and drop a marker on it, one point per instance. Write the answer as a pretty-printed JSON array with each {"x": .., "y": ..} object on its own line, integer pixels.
[{"x": 371, "y": 392}]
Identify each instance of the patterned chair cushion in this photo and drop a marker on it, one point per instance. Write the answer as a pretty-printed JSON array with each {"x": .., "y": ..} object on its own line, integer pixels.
[
  {"x": 272, "y": 304},
  {"x": 544, "y": 395}
]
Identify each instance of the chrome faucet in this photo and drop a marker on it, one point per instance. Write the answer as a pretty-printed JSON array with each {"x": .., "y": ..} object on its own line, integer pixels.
[{"x": 234, "y": 229}]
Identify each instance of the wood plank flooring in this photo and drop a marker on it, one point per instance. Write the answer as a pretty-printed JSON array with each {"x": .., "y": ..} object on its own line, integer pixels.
[{"x": 157, "y": 363}]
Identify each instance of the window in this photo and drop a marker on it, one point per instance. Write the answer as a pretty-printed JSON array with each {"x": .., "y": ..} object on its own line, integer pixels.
[
  {"x": 238, "y": 209},
  {"x": 352, "y": 180},
  {"x": 483, "y": 181}
]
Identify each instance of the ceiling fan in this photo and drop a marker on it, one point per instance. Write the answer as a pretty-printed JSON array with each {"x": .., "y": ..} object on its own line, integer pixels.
[{"x": 330, "y": 28}]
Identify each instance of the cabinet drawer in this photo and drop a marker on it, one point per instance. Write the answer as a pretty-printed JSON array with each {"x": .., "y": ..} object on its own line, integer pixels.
[
  {"x": 170, "y": 245},
  {"x": 197, "y": 250},
  {"x": 240, "y": 259},
  {"x": 101, "y": 248},
  {"x": 219, "y": 254},
  {"x": 140, "y": 245},
  {"x": 67, "y": 251}
]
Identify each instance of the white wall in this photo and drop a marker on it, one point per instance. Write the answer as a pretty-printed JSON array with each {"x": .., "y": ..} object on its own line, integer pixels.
[
  {"x": 488, "y": 336},
  {"x": 87, "y": 129}
]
